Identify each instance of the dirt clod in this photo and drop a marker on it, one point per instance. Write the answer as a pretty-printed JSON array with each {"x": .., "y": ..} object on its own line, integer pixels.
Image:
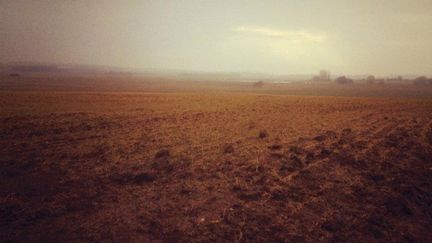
[
  {"x": 275, "y": 147},
  {"x": 163, "y": 153},
  {"x": 262, "y": 134},
  {"x": 228, "y": 148}
]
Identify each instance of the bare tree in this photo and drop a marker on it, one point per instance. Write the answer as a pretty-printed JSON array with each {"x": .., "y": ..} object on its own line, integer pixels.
[
  {"x": 343, "y": 80},
  {"x": 324, "y": 75}
]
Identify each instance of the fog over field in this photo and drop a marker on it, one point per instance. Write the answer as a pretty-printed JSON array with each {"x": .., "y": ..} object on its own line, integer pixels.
[
  {"x": 215, "y": 121},
  {"x": 274, "y": 37}
]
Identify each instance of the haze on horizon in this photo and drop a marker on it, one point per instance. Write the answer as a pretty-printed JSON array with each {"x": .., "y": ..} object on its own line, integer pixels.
[{"x": 275, "y": 37}]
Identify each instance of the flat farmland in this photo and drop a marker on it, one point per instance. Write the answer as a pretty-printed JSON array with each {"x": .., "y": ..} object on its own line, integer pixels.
[{"x": 214, "y": 166}]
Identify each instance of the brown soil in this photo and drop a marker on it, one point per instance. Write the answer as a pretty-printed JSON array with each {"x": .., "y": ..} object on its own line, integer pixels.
[{"x": 214, "y": 167}]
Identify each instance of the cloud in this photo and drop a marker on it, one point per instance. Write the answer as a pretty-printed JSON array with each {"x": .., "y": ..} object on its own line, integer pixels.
[{"x": 292, "y": 35}]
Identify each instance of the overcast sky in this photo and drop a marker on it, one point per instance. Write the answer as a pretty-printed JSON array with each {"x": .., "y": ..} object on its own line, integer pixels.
[{"x": 276, "y": 37}]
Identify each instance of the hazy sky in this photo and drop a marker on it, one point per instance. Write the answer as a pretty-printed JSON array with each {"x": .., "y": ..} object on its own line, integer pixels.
[{"x": 277, "y": 37}]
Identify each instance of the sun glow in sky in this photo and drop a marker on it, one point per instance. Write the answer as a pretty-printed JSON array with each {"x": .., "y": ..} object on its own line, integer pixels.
[
  {"x": 275, "y": 37},
  {"x": 294, "y": 36}
]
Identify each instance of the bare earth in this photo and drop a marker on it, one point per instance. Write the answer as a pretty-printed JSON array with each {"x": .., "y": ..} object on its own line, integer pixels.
[{"x": 214, "y": 166}]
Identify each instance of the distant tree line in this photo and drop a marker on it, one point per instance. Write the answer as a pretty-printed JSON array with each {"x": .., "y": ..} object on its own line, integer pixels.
[
  {"x": 422, "y": 80},
  {"x": 324, "y": 75},
  {"x": 343, "y": 80}
]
